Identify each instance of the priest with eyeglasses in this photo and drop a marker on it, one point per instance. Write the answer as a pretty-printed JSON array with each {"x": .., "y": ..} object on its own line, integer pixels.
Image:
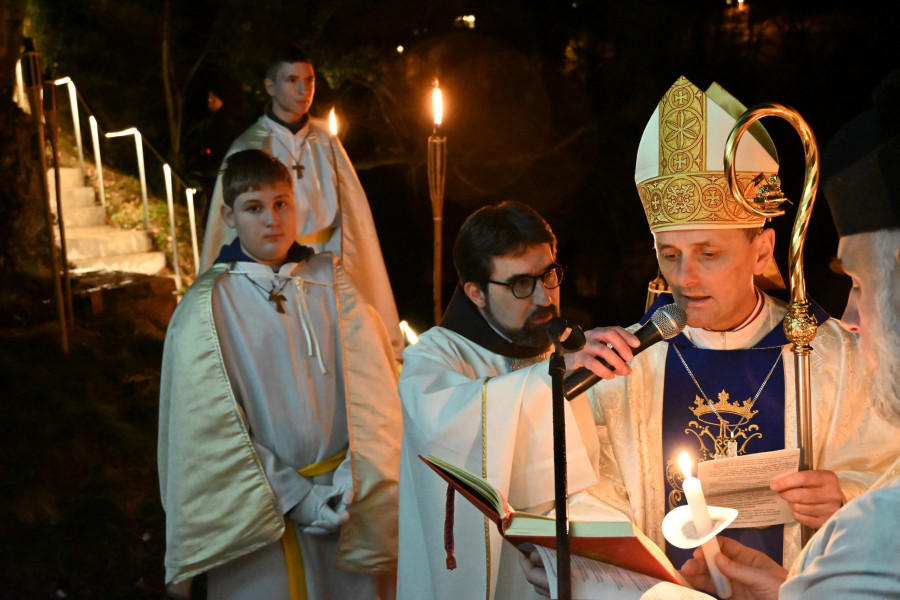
[{"x": 476, "y": 392}]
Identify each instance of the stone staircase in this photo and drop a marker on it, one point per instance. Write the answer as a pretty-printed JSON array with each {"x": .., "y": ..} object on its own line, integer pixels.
[{"x": 92, "y": 244}]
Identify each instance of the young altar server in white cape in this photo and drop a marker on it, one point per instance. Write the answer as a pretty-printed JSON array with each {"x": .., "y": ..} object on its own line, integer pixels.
[{"x": 279, "y": 417}]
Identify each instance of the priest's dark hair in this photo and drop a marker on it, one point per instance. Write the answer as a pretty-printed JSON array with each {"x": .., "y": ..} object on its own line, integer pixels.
[
  {"x": 248, "y": 170},
  {"x": 289, "y": 54},
  {"x": 497, "y": 230}
]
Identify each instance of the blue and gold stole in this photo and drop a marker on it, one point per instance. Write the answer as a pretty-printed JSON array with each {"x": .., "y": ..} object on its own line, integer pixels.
[{"x": 730, "y": 379}]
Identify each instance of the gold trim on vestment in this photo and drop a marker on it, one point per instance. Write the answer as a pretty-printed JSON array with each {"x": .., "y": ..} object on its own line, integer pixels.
[
  {"x": 487, "y": 523},
  {"x": 320, "y": 237}
]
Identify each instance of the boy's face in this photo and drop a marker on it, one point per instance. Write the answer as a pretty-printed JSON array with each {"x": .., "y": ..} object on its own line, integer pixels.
[
  {"x": 292, "y": 90},
  {"x": 265, "y": 221}
]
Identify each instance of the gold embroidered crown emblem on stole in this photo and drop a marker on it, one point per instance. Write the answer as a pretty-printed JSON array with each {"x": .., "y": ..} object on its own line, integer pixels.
[{"x": 723, "y": 429}]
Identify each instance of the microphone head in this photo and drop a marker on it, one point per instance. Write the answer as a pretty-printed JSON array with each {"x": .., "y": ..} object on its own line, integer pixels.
[
  {"x": 570, "y": 337},
  {"x": 669, "y": 320}
]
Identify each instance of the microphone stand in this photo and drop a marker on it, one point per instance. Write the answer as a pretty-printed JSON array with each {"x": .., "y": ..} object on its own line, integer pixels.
[{"x": 563, "y": 565}]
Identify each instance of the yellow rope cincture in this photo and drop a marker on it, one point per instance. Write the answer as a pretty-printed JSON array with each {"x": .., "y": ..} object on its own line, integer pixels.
[
  {"x": 487, "y": 522},
  {"x": 293, "y": 557},
  {"x": 319, "y": 237}
]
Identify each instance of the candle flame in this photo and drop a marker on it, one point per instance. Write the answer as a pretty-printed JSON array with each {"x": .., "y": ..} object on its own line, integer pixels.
[
  {"x": 437, "y": 101},
  {"x": 684, "y": 462},
  {"x": 332, "y": 122},
  {"x": 409, "y": 333}
]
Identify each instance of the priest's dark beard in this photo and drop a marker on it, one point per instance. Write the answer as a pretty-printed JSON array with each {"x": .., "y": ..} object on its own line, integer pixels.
[{"x": 532, "y": 335}]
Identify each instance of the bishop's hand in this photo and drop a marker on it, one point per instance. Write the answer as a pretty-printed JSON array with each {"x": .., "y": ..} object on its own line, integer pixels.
[{"x": 812, "y": 495}]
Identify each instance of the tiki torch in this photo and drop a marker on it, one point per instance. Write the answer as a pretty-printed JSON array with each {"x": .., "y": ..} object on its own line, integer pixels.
[{"x": 437, "y": 165}]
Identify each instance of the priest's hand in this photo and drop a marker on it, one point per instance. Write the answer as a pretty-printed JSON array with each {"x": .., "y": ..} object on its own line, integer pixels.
[
  {"x": 753, "y": 575},
  {"x": 534, "y": 571},
  {"x": 323, "y": 509},
  {"x": 813, "y": 495},
  {"x": 612, "y": 344}
]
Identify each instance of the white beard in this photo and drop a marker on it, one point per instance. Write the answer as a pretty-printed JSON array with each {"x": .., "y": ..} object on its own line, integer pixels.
[
  {"x": 883, "y": 349},
  {"x": 881, "y": 343}
]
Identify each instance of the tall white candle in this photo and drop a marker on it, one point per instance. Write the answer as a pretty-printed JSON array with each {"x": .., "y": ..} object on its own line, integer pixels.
[{"x": 693, "y": 492}]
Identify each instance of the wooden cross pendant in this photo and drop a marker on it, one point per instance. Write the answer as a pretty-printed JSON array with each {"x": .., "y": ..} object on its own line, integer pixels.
[
  {"x": 298, "y": 169},
  {"x": 278, "y": 299}
]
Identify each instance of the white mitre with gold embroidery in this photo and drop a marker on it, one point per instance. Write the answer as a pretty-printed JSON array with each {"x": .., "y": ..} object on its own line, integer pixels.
[{"x": 680, "y": 169}]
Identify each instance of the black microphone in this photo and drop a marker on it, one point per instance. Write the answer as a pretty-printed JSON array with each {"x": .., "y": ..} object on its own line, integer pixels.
[
  {"x": 567, "y": 338},
  {"x": 665, "y": 323}
]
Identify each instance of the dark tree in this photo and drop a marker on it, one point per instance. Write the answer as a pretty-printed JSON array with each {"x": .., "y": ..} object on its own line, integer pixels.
[{"x": 23, "y": 230}]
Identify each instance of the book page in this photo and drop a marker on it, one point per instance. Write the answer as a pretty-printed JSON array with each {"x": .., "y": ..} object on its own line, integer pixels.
[
  {"x": 476, "y": 484},
  {"x": 595, "y": 580},
  {"x": 743, "y": 483}
]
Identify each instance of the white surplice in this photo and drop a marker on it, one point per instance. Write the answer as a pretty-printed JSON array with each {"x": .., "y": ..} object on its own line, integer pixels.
[
  {"x": 249, "y": 396},
  {"x": 441, "y": 389},
  {"x": 854, "y": 555}
]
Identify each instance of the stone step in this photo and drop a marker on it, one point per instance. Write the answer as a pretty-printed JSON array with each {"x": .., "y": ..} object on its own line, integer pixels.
[
  {"x": 90, "y": 242},
  {"x": 69, "y": 177},
  {"x": 148, "y": 263},
  {"x": 76, "y": 197},
  {"x": 84, "y": 216}
]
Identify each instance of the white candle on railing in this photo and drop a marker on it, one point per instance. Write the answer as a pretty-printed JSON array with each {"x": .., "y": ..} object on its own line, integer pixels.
[
  {"x": 189, "y": 192},
  {"x": 167, "y": 174},
  {"x": 693, "y": 492}
]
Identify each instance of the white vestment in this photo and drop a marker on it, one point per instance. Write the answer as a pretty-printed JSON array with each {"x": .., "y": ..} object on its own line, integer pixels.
[
  {"x": 855, "y": 554},
  {"x": 848, "y": 437},
  {"x": 441, "y": 390},
  {"x": 333, "y": 213},
  {"x": 250, "y": 395}
]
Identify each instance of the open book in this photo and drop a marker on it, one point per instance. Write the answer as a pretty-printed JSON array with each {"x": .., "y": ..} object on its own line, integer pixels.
[{"x": 618, "y": 543}]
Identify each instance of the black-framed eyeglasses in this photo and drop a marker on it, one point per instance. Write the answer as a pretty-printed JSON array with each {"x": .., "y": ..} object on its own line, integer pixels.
[{"x": 522, "y": 286}]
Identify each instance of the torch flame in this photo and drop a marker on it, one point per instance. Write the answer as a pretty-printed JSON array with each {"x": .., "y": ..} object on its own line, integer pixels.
[
  {"x": 438, "y": 103},
  {"x": 332, "y": 122},
  {"x": 684, "y": 462}
]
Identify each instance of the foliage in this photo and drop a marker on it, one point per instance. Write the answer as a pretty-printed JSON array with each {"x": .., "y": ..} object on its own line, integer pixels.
[{"x": 81, "y": 515}]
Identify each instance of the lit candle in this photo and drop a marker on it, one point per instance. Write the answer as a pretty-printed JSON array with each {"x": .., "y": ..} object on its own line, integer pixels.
[
  {"x": 167, "y": 173},
  {"x": 332, "y": 122},
  {"x": 693, "y": 492}
]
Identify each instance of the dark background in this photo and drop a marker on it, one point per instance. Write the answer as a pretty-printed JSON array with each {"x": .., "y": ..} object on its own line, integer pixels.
[{"x": 545, "y": 103}]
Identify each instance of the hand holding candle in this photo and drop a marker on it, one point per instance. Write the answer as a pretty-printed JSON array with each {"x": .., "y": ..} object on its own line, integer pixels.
[{"x": 693, "y": 492}]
